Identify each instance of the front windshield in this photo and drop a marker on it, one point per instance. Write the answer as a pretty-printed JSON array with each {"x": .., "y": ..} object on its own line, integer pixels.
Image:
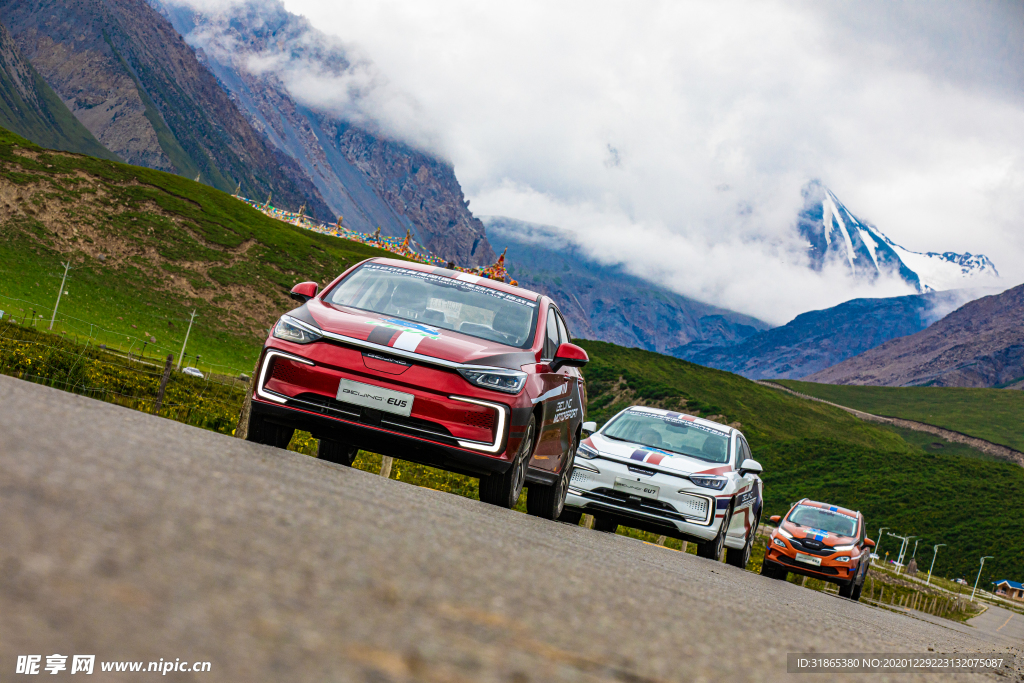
[
  {"x": 670, "y": 434},
  {"x": 824, "y": 520},
  {"x": 439, "y": 301}
]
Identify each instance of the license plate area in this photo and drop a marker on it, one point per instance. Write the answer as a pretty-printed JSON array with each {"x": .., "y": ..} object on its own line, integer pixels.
[
  {"x": 808, "y": 559},
  {"x": 636, "y": 488},
  {"x": 379, "y": 398}
]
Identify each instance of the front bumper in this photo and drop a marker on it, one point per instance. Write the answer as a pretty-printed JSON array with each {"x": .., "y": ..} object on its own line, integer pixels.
[
  {"x": 829, "y": 570},
  {"x": 682, "y": 509}
]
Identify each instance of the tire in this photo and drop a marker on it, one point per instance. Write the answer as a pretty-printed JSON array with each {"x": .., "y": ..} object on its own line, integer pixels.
[
  {"x": 504, "y": 489},
  {"x": 712, "y": 550},
  {"x": 548, "y": 502},
  {"x": 570, "y": 516},
  {"x": 856, "y": 592},
  {"x": 267, "y": 433},
  {"x": 774, "y": 571},
  {"x": 336, "y": 451},
  {"x": 606, "y": 525},
  {"x": 846, "y": 590},
  {"x": 740, "y": 557}
]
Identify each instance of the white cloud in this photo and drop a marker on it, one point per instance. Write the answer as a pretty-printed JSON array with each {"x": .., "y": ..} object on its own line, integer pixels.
[{"x": 676, "y": 135}]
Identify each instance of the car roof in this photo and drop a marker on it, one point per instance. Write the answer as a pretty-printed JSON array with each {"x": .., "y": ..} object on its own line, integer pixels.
[
  {"x": 829, "y": 506},
  {"x": 465, "y": 277},
  {"x": 725, "y": 429}
]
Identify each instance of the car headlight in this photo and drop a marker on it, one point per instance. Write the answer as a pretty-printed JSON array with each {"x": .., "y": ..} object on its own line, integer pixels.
[
  {"x": 844, "y": 558},
  {"x": 842, "y": 548},
  {"x": 784, "y": 532},
  {"x": 586, "y": 452},
  {"x": 709, "y": 482},
  {"x": 498, "y": 379},
  {"x": 778, "y": 543},
  {"x": 287, "y": 330}
]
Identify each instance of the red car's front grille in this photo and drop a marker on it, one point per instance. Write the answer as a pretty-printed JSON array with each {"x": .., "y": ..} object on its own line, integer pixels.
[
  {"x": 288, "y": 371},
  {"x": 480, "y": 420}
]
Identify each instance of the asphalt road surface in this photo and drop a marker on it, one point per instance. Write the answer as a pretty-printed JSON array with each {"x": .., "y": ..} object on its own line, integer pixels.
[{"x": 132, "y": 537}]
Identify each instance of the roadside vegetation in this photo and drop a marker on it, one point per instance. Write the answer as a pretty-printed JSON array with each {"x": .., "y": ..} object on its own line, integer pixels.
[{"x": 991, "y": 414}]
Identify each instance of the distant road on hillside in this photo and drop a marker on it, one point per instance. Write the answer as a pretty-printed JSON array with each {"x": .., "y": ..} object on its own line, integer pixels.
[{"x": 132, "y": 537}]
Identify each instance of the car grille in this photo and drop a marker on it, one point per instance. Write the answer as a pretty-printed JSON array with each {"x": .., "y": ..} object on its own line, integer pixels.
[
  {"x": 409, "y": 425},
  {"x": 579, "y": 477},
  {"x": 694, "y": 510},
  {"x": 811, "y": 547},
  {"x": 831, "y": 571}
]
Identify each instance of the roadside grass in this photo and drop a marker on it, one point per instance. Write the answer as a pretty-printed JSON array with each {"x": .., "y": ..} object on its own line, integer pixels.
[
  {"x": 148, "y": 247},
  {"x": 995, "y": 415}
]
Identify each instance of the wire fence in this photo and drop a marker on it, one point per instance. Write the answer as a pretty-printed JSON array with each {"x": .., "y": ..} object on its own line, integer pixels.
[
  {"x": 138, "y": 347},
  {"x": 84, "y": 367}
]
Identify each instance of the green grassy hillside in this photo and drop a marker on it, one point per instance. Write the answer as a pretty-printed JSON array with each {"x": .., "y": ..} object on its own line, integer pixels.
[
  {"x": 813, "y": 450},
  {"x": 146, "y": 249},
  {"x": 995, "y": 415}
]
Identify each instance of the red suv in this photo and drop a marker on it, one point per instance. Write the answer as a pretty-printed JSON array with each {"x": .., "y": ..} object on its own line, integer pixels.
[{"x": 432, "y": 366}]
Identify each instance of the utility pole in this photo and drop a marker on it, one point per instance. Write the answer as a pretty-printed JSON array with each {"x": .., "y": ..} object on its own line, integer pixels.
[
  {"x": 67, "y": 266},
  {"x": 936, "y": 554},
  {"x": 184, "y": 343},
  {"x": 987, "y": 557}
]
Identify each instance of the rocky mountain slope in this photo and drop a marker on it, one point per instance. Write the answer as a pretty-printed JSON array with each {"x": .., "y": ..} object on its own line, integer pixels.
[
  {"x": 604, "y": 302},
  {"x": 29, "y": 107},
  {"x": 365, "y": 177},
  {"x": 816, "y": 340},
  {"x": 835, "y": 235},
  {"x": 128, "y": 76},
  {"x": 980, "y": 344}
]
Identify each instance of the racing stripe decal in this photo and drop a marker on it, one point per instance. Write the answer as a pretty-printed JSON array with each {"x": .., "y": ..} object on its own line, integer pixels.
[
  {"x": 407, "y": 341},
  {"x": 638, "y": 455},
  {"x": 655, "y": 458},
  {"x": 381, "y": 335}
]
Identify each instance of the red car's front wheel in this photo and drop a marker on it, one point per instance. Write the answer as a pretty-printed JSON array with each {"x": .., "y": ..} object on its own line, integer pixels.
[{"x": 504, "y": 489}]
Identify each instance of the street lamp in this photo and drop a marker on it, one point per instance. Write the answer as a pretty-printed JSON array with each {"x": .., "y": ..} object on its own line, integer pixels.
[
  {"x": 877, "y": 550},
  {"x": 987, "y": 557},
  {"x": 935, "y": 550},
  {"x": 915, "y": 548}
]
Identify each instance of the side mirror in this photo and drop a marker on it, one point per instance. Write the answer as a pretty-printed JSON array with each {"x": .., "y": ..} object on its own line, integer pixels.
[
  {"x": 749, "y": 465},
  {"x": 775, "y": 518},
  {"x": 590, "y": 427},
  {"x": 869, "y": 543},
  {"x": 569, "y": 355},
  {"x": 303, "y": 292}
]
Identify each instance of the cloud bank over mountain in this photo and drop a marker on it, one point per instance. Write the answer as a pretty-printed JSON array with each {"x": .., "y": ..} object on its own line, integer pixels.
[{"x": 675, "y": 137}]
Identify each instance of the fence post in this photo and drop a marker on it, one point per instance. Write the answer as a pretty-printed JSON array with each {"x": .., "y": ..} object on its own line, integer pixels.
[
  {"x": 385, "y": 466},
  {"x": 163, "y": 384}
]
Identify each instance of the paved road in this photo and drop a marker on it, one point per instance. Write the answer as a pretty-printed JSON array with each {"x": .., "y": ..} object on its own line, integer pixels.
[{"x": 135, "y": 538}]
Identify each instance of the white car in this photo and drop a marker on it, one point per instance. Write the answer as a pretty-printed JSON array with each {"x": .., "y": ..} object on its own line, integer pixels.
[
  {"x": 193, "y": 372},
  {"x": 671, "y": 474}
]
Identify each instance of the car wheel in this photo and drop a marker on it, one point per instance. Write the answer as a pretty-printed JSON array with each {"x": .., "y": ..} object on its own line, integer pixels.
[
  {"x": 774, "y": 571},
  {"x": 336, "y": 451},
  {"x": 570, "y": 516},
  {"x": 548, "y": 501},
  {"x": 712, "y": 550},
  {"x": 268, "y": 433},
  {"x": 504, "y": 489},
  {"x": 856, "y": 592},
  {"x": 605, "y": 524},
  {"x": 739, "y": 557},
  {"x": 846, "y": 590}
]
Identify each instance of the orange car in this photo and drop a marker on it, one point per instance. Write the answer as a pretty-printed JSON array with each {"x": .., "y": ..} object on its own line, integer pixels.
[{"x": 821, "y": 541}]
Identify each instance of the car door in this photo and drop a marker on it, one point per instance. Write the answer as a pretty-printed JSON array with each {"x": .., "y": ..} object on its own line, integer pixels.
[
  {"x": 747, "y": 501},
  {"x": 552, "y": 437}
]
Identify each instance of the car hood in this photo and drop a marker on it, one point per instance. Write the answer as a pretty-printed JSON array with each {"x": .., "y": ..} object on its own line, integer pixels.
[
  {"x": 665, "y": 460},
  {"x": 826, "y": 538},
  {"x": 408, "y": 335}
]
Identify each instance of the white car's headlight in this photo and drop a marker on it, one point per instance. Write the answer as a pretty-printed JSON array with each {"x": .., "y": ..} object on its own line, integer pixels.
[
  {"x": 287, "y": 330},
  {"x": 842, "y": 548},
  {"x": 784, "y": 532},
  {"x": 498, "y": 379},
  {"x": 586, "y": 452},
  {"x": 709, "y": 481},
  {"x": 844, "y": 558}
]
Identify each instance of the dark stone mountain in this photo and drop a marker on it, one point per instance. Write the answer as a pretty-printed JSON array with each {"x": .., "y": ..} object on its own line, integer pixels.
[
  {"x": 816, "y": 340},
  {"x": 30, "y": 108},
  {"x": 981, "y": 344},
  {"x": 367, "y": 178},
  {"x": 606, "y": 303},
  {"x": 131, "y": 79}
]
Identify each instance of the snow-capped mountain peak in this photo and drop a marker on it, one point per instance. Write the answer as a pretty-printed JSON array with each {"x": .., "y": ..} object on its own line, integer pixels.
[{"x": 834, "y": 234}]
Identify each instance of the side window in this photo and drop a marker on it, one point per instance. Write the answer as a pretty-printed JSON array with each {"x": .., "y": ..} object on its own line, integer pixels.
[
  {"x": 563, "y": 333},
  {"x": 551, "y": 339},
  {"x": 743, "y": 452}
]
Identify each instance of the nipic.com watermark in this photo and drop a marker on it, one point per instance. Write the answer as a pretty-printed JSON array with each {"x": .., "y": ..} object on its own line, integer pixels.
[{"x": 86, "y": 664}]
